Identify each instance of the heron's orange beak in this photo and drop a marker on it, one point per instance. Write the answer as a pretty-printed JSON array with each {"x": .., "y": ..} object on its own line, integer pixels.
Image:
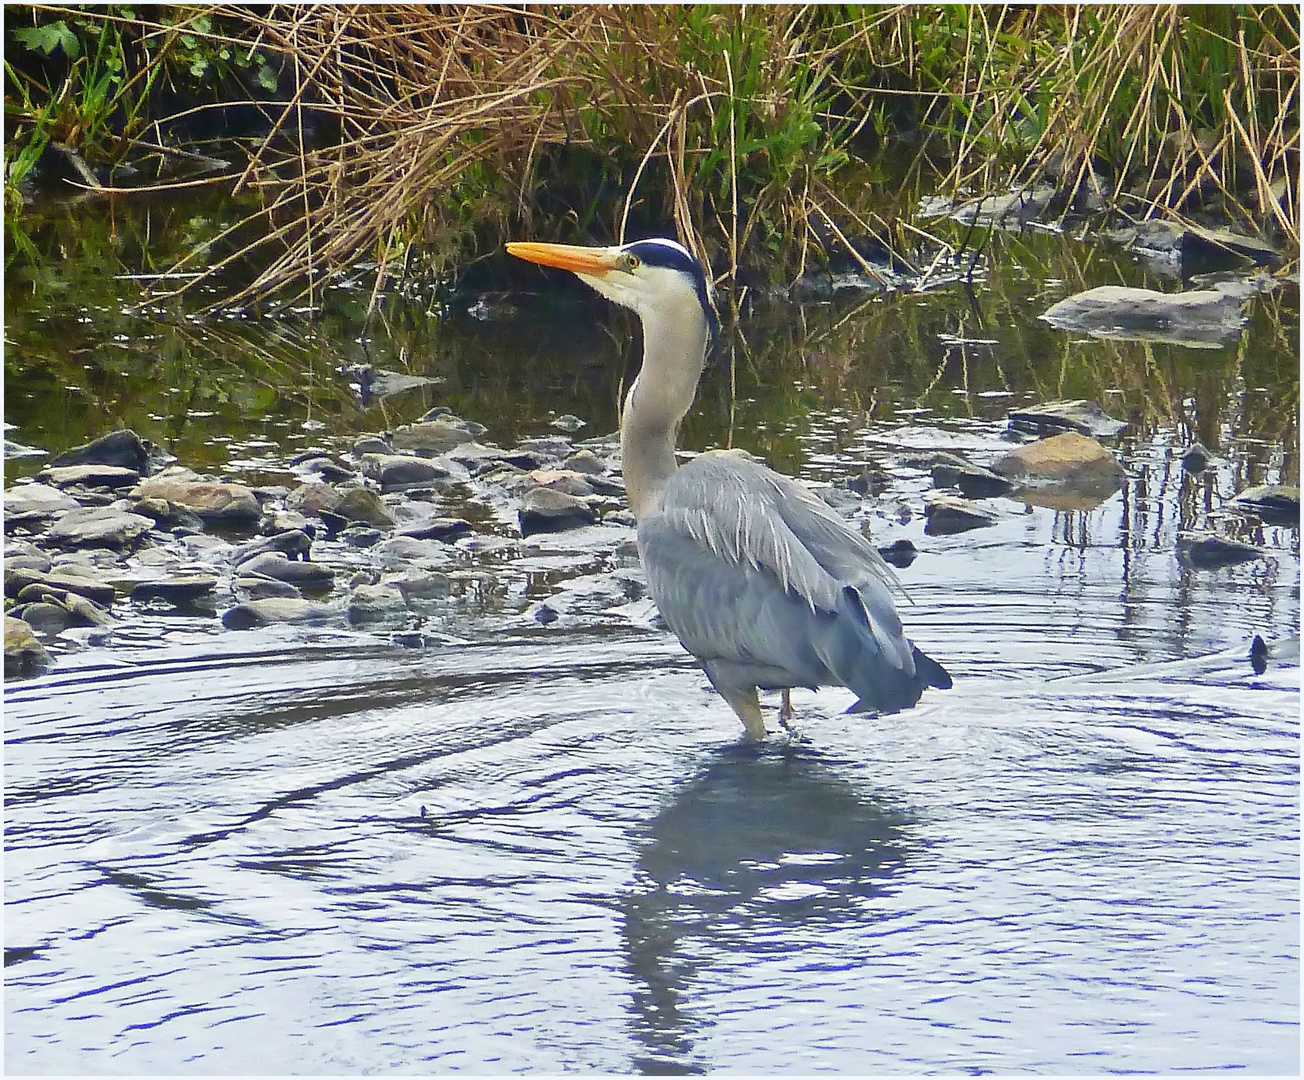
[{"x": 582, "y": 260}]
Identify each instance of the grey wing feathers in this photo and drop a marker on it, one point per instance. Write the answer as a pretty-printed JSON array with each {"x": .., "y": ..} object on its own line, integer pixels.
[{"x": 749, "y": 568}]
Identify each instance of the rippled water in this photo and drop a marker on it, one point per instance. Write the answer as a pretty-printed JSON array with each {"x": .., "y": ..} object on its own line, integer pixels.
[
  {"x": 513, "y": 847},
  {"x": 547, "y": 851}
]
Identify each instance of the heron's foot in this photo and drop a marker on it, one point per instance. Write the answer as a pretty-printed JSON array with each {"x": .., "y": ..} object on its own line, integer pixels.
[{"x": 786, "y": 717}]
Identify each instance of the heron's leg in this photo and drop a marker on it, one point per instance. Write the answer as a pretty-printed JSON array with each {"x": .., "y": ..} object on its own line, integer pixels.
[
  {"x": 744, "y": 700},
  {"x": 785, "y": 710}
]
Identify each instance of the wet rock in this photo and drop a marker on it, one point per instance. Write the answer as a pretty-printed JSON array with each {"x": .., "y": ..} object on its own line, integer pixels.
[
  {"x": 1276, "y": 504},
  {"x": 1259, "y": 655},
  {"x": 585, "y": 462},
  {"x": 445, "y": 414},
  {"x": 568, "y": 423},
  {"x": 35, "y": 562},
  {"x": 1195, "y": 459},
  {"x": 946, "y": 514},
  {"x": 871, "y": 480},
  {"x": 322, "y": 466},
  {"x": 1193, "y": 246},
  {"x": 371, "y": 444},
  {"x": 184, "y": 588},
  {"x": 1201, "y": 318},
  {"x": 89, "y": 476},
  {"x": 1206, "y": 550},
  {"x": 293, "y": 543},
  {"x": 364, "y": 505},
  {"x": 1052, "y": 417},
  {"x": 432, "y": 437},
  {"x": 401, "y": 472},
  {"x": 544, "y": 614},
  {"x": 1069, "y": 460},
  {"x": 404, "y": 550},
  {"x": 309, "y": 576},
  {"x": 375, "y": 603},
  {"x": 36, "y": 501},
  {"x": 253, "y": 613},
  {"x": 560, "y": 480},
  {"x": 215, "y": 501},
  {"x": 419, "y": 584},
  {"x": 96, "y": 526},
  {"x": 60, "y": 581},
  {"x": 974, "y": 481},
  {"x": 285, "y": 520},
  {"x": 168, "y": 515},
  {"x": 1012, "y": 209},
  {"x": 545, "y": 448},
  {"x": 361, "y": 536},
  {"x": 900, "y": 553},
  {"x": 313, "y": 497},
  {"x": 124, "y": 449},
  {"x": 24, "y": 655},
  {"x": 45, "y": 617},
  {"x": 86, "y": 612},
  {"x": 261, "y": 587},
  {"x": 446, "y": 529},
  {"x": 545, "y": 510}
]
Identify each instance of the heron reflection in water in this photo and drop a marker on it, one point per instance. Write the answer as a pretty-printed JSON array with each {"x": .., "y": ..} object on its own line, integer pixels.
[{"x": 762, "y": 582}]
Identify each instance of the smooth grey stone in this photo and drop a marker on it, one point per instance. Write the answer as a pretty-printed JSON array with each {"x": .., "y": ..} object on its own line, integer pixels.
[
  {"x": 303, "y": 575},
  {"x": 364, "y": 505},
  {"x": 63, "y": 581},
  {"x": 423, "y": 585},
  {"x": 261, "y": 587},
  {"x": 1276, "y": 504},
  {"x": 24, "y": 655},
  {"x": 974, "y": 481},
  {"x": 1199, "y": 318},
  {"x": 375, "y": 603},
  {"x": 89, "y": 476},
  {"x": 293, "y": 543},
  {"x": 252, "y": 613},
  {"x": 546, "y": 510},
  {"x": 446, "y": 529},
  {"x": 37, "y": 500},
  {"x": 180, "y": 588},
  {"x": 398, "y": 472},
  {"x": 90, "y": 526},
  {"x": 45, "y": 617}
]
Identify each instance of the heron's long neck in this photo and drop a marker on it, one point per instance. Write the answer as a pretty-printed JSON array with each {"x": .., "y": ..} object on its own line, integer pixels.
[{"x": 673, "y": 353}]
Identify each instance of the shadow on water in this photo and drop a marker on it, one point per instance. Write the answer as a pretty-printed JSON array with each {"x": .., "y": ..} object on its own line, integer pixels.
[{"x": 761, "y": 850}]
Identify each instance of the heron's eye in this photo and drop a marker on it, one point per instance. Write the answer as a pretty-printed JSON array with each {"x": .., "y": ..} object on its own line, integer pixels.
[{"x": 630, "y": 262}]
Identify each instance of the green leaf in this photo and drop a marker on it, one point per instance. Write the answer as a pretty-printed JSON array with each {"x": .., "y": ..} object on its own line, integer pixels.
[
  {"x": 267, "y": 78},
  {"x": 45, "y": 39},
  {"x": 199, "y": 67}
]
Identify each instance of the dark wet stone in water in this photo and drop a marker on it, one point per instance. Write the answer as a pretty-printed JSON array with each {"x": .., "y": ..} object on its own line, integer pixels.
[
  {"x": 1206, "y": 551},
  {"x": 1276, "y": 504},
  {"x": 252, "y": 613},
  {"x": 543, "y": 614},
  {"x": 323, "y": 466},
  {"x": 90, "y": 476},
  {"x": 261, "y": 587},
  {"x": 304, "y": 575},
  {"x": 1196, "y": 459},
  {"x": 945, "y": 515},
  {"x": 869, "y": 482},
  {"x": 900, "y": 553},
  {"x": 24, "y": 655},
  {"x": 545, "y": 510},
  {"x": 431, "y": 437},
  {"x": 361, "y": 536},
  {"x": 124, "y": 449},
  {"x": 178, "y": 589},
  {"x": 294, "y": 543},
  {"x": 584, "y": 461},
  {"x": 446, "y": 529},
  {"x": 1084, "y": 417},
  {"x": 1259, "y": 655},
  {"x": 371, "y": 444},
  {"x": 1192, "y": 244},
  {"x": 98, "y": 526},
  {"x": 974, "y": 481},
  {"x": 399, "y": 472}
]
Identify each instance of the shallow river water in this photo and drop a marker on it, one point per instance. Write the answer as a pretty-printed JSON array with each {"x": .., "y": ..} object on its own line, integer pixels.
[{"x": 508, "y": 847}]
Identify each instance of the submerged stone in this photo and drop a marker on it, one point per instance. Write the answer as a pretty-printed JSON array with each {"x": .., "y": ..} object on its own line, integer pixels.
[
  {"x": 1201, "y": 318},
  {"x": 974, "y": 481},
  {"x": 304, "y": 575},
  {"x": 365, "y": 506},
  {"x": 178, "y": 589},
  {"x": 1276, "y": 504},
  {"x": 1206, "y": 550},
  {"x": 375, "y": 603},
  {"x": 252, "y": 613},
  {"x": 946, "y": 514}
]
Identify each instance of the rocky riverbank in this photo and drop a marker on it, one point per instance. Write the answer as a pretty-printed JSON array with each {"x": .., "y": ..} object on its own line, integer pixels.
[{"x": 371, "y": 538}]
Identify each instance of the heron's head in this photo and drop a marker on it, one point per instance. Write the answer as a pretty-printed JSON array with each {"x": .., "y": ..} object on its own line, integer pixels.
[{"x": 658, "y": 278}]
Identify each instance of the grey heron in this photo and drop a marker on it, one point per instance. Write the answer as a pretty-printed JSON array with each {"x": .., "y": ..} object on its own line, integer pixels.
[{"x": 762, "y": 581}]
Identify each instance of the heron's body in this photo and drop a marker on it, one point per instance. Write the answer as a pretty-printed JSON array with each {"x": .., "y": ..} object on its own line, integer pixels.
[{"x": 760, "y": 580}]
